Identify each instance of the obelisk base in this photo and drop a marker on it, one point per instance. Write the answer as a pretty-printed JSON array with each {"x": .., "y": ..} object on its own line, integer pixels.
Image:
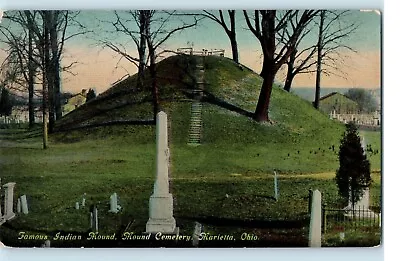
[{"x": 161, "y": 214}]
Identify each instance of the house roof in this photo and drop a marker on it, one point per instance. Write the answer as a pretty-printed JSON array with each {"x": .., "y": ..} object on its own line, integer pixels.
[{"x": 332, "y": 94}]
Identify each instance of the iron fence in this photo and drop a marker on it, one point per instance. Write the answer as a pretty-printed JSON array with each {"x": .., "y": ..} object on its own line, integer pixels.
[{"x": 358, "y": 218}]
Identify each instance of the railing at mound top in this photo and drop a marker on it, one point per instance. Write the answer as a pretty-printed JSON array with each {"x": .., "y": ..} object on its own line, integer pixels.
[{"x": 203, "y": 52}]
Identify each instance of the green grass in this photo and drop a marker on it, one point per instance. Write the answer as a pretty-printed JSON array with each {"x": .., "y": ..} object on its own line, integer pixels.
[{"x": 226, "y": 183}]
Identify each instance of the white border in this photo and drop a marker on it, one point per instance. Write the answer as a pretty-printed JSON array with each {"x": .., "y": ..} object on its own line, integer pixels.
[{"x": 391, "y": 94}]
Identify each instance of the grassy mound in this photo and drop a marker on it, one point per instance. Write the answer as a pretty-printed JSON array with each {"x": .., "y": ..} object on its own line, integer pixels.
[{"x": 226, "y": 183}]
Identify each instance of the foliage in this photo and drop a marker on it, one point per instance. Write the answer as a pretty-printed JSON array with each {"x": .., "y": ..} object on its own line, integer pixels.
[
  {"x": 354, "y": 174},
  {"x": 6, "y": 103},
  {"x": 90, "y": 95},
  {"x": 364, "y": 98}
]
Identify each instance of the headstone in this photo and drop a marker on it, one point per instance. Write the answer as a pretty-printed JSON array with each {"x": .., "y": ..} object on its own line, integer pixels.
[
  {"x": 1, "y": 215},
  {"x": 46, "y": 244},
  {"x": 76, "y": 205},
  {"x": 276, "y": 185},
  {"x": 9, "y": 200},
  {"x": 341, "y": 236},
  {"x": 113, "y": 203},
  {"x": 19, "y": 205},
  {"x": 95, "y": 219},
  {"x": 196, "y": 233},
  {"x": 161, "y": 203},
  {"x": 315, "y": 221},
  {"x": 24, "y": 204},
  {"x": 83, "y": 200}
]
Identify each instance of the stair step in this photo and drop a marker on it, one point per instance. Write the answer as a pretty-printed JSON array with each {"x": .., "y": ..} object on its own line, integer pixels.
[{"x": 196, "y": 122}]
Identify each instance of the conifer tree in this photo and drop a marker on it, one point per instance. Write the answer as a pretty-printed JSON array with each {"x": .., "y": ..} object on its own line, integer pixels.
[
  {"x": 354, "y": 174},
  {"x": 5, "y": 103}
]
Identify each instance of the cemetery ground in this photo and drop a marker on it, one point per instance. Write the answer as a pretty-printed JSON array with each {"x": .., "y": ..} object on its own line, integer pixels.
[
  {"x": 229, "y": 189},
  {"x": 226, "y": 183}
]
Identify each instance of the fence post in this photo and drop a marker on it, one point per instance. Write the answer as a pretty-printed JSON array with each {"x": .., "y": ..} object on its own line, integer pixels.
[
  {"x": 310, "y": 192},
  {"x": 315, "y": 221},
  {"x": 324, "y": 217}
]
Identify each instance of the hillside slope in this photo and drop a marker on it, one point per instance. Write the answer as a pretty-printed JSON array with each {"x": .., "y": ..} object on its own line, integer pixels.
[{"x": 300, "y": 139}]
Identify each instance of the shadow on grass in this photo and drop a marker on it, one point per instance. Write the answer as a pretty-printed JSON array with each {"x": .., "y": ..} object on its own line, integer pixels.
[
  {"x": 109, "y": 123},
  {"x": 211, "y": 98},
  {"x": 15, "y": 135}
]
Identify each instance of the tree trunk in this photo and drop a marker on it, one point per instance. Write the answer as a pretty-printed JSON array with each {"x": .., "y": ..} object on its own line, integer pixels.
[
  {"x": 142, "y": 50},
  {"x": 154, "y": 87},
  {"x": 288, "y": 81},
  {"x": 319, "y": 62},
  {"x": 45, "y": 57},
  {"x": 290, "y": 71},
  {"x": 31, "y": 72},
  {"x": 262, "y": 113},
  {"x": 152, "y": 54},
  {"x": 235, "y": 51},
  {"x": 55, "y": 64},
  {"x": 268, "y": 70},
  {"x": 232, "y": 36},
  {"x": 49, "y": 69}
]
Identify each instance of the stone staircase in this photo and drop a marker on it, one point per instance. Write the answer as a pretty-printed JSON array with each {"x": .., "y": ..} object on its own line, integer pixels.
[{"x": 196, "y": 122}]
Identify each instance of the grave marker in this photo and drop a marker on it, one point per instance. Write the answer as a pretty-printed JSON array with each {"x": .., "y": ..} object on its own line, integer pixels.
[
  {"x": 276, "y": 185},
  {"x": 19, "y": 205},
  {"x": 9, "y": 200},
  {"x": 113, "y": 203},
  {"x": 315, "y": 221},
  {"x": 83, "y": 199},
  {"x": 24, "y": 204},
  {"x": 95, "y": 220},
  {"x": 161, "y": 203},
  {"x": 196, "y": 233}
]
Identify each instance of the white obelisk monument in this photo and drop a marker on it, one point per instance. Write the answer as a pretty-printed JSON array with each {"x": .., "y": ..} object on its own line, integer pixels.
[{"x": 161, "y": 203}]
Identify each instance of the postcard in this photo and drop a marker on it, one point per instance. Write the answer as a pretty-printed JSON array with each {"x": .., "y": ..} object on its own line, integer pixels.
[{"x": 193, "y": 129}]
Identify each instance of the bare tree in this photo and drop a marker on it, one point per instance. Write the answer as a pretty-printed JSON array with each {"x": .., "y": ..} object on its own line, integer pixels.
[
  {"x": 266, "y": 26},
  {"x": 331, "y": 33},
  {"x": 230, "y": 29},
  {"x": 300, "y": 60},
  {"x": 39, "y": 24},
  {"x": 151, "y": 29},
  {"x": 19, "y": 69}
]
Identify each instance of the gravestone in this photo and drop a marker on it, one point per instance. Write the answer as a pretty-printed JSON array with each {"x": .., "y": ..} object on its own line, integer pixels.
[
  {"x": 95, "y": 219},
  {"x": 198, "y": 228},
  {"x": 24, "y": 204},
  {"x": 19, "y": 205},
  {"x": 1, "y": 215},
  {"x": 361, "y": 207},
  {"x": 9, "y": 200},
  {"x": 76, "y": 205},
  {"x": 113, "y": 203},
  {"x": 161, "y": 203},
  {"x": 276, "y": 185},
  {"x": 315, "y": 221},
  {"x": 46, "y": 244},
  {"x": 83, "y": 200}
]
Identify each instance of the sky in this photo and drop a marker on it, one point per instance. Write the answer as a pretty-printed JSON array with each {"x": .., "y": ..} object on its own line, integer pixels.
[{"x": 99, "y": 67}]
